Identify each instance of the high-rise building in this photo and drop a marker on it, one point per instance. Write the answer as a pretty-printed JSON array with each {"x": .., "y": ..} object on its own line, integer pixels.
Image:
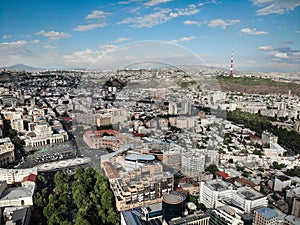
[
  {"x": 265, "y": 216},
  {"x": 192, "y": 164}
]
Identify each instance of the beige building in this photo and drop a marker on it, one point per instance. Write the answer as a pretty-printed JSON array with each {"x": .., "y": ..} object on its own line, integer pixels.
[
  {"x": 7, "y": 154},
  {"x": 135, "y": 191},
  {"x": 104, "y": 139}
]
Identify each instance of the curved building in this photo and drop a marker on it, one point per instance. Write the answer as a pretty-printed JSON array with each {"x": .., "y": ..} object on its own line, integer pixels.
[{"x": 173, "y": 205}]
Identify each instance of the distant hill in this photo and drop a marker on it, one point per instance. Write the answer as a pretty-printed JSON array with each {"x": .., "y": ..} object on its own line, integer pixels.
[
  {"x": 257, "y": 85},
  {"x": 21, "y": 67}
]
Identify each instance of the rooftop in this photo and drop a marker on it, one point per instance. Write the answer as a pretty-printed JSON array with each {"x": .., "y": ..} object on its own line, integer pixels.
[
  {"x": 188, "y": 219},
  {"x": 249, "y": 193},
  {"x": 283, "y": 178},
  {"x": 218, "y": 185},
  {"x": 173, "y": 198},
  {"x": 17, "y": 192},
  {"x": 138, "y": 157},
  {"x": 267, "y": 212}
]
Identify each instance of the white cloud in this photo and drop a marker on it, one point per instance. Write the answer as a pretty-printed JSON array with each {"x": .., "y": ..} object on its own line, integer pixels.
[
  {"x": 14, "y": 44},
  {"x": 184, "y": 39},
  {"x": 6, "y": 36},
  {"x": 155, "y": 2},
  {"x": 108, "y": 47},
  {"x": 148, "y": 20},
  {"x": 265, "y": 48},
  {"x": 275, "y": 6},
  {"x": 222, "y": 23},
  {"x": 89, "y": 26},
  {"x": 192, "y": 22},
  {"x": 190, "y": 10},
  {"x": 49, "y": 47},
  {"x": 281, "y": 55},
  {"x": 285, "y": 55},
  {"x": 53, "y": 35},
  {"x": 36, "y": 41},
  {"x": 252, "y": 31},
  {"x": 96, "y": 14},
  {"x": 212, "y": 23},
  {"x": 85, "y": 56},
  {"x": 121, "y": 39},
  {"x": 14, "y": 48},
  {"x": 159, "y": 16}
]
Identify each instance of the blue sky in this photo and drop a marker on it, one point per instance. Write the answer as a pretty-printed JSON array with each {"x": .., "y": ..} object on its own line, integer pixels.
[{"x": 265, "y": 34}]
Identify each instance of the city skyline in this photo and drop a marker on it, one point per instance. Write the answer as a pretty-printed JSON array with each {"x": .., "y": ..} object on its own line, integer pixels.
[{"x": 264, "y": 34}]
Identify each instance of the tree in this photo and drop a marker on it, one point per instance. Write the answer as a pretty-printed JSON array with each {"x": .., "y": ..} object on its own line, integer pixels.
[
  {"x": 212, "y": 168},
  {"x": 80, "y": 220},
  {"x": 106, "y": 199},
  {"x": 257, "y": 152}
]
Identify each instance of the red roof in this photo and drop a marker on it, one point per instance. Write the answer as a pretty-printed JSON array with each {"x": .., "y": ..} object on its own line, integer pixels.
[
  {"x": 222, "y": 174},
  {"x": 31, "y": 177}
]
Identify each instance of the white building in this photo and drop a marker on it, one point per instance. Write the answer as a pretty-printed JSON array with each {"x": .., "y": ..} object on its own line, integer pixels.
[
  {"x": 211, "y": 190},
  {"x": 12, "y": 176},
  {"x": 248, "y": 199},
  {"x": 226, "y": 214},
  {"x": 216, "y": 193},
  {"x": 192, "y": 163},
  {"x": 281, "y": 182}
]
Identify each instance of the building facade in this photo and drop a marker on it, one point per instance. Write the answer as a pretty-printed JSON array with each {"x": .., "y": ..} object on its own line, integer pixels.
[{"x": 7, "y": 154}]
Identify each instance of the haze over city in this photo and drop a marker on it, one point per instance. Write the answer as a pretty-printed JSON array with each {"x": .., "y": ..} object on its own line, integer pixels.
[{"x": 72, "y": 34}]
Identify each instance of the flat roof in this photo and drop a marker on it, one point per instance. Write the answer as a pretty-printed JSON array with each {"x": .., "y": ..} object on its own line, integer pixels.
[
  {"x": 16, "y": 193},
  {"x": 249, "y": 193},
  {"x": 173, "y": 198},
  {"x": 217, "y": 185},
  {"x": 138, "y": 157},
  {"x": 268, "y": 213},
  {"x": 283, "y": 178}
]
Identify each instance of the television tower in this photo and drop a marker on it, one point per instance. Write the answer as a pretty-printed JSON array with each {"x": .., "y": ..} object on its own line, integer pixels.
[{"x": 231, "y": 64}]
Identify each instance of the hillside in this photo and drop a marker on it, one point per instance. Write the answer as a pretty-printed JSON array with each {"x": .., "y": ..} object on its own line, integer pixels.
[{"x": 257, "y": 85}]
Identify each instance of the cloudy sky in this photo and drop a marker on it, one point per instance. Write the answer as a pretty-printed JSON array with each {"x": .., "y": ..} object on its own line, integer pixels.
[{"x": 265, "y": 34}]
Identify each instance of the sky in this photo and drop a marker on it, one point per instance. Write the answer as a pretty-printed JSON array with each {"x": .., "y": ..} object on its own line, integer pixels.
[{"x": 263, "y": 35}]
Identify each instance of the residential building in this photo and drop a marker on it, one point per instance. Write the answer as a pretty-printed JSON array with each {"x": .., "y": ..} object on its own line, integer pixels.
[{"x": 192, "y": 163}]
